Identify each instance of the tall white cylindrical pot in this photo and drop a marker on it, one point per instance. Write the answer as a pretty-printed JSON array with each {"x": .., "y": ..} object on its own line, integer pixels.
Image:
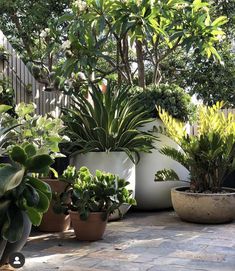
[
  {"x": 151, "y": 195},
  {"x": 114, "y": 162}
]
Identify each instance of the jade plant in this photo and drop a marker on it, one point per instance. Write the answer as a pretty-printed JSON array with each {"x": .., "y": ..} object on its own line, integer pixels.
[
  {"x": 21, "y": 192},
  {"x": 86, "y": 193},
  {"x": 209, "y": 155}
]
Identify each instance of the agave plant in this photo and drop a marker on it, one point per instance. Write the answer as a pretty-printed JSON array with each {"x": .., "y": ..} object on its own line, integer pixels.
[
  {"x": 107, "y": 122},
  {"x": 209, "y": 155}
]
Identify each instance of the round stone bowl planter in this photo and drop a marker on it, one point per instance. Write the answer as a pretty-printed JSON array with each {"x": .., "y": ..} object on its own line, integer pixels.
[
  {"x": 204, "y": 208},
  {"x": 52, "y": 222},
  {"x": 114, "y": 162},
  {"x": 91, "y": 229},
  {"x": 151, "y": 195},
  {"x": 6, "y": 248}
]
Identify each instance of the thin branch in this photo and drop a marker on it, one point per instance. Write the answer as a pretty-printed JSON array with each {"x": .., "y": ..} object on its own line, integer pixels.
[{"x": 170, "y": 50}]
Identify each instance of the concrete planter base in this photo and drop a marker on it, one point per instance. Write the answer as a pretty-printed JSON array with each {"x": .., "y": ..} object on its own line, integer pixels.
[{"x": 204, "y": 208}]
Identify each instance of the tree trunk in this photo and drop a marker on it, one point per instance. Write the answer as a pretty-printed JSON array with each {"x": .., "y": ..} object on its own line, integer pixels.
[
  {"x": 157, "y": 76},
  {"x": 118, "y": 63},
  {"x": 125, "y": 47},
  {"x": 140, "y": 63}
]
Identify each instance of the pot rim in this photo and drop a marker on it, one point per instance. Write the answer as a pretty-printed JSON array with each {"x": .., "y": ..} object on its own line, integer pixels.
[
  {"x": 91, "y": 213},
  {"x": 107, "y": 152},
  {"x": 181, "y": 190}
]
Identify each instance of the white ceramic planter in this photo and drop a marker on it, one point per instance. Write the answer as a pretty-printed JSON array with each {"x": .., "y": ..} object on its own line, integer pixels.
[
  {"x": 152, "y": 195},
  {"x": 114, "y": 162}
]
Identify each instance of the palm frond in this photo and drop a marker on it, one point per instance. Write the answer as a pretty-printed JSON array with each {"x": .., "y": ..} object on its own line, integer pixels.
[{"x": 176, "y": 155}]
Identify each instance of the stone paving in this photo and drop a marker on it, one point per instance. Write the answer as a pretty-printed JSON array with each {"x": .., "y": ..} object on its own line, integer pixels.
[{"x": 157, "y": 241}]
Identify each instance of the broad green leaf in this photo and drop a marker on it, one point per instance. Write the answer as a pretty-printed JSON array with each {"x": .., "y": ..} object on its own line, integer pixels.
[
  {"x": 18, "y": 155},
  {"x": 10, "y": 177},
  {"x": 12, "y": 229},
  {"x": 34, "y": 216}
]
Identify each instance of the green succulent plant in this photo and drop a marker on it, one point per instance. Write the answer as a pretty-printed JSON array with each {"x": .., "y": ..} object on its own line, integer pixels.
[
  {"x": 107, "y": 122},
  {"x": 172, "y": 98},
  {"x": 21, "y": 192},
  {"x": 86, "y": 193},
  {"x": 209, "y": 155}
]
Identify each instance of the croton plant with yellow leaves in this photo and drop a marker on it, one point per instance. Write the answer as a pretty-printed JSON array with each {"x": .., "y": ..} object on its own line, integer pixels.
[{"x": 209, "y": 155}]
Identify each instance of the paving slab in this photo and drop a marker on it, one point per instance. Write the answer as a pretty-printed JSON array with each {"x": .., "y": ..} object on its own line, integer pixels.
[{"x": 150, "y": 241}]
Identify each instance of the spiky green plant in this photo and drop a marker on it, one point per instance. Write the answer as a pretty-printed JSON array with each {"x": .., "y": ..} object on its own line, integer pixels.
[
  {"x": 107, "y": 122},
  {"x": 209, "y": 155}
]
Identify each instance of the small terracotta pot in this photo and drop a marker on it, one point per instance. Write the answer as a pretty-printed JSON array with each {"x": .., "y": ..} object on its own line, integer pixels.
[
  {"x": 91, "y": 229},
  {"x": 52, "y": 222}
]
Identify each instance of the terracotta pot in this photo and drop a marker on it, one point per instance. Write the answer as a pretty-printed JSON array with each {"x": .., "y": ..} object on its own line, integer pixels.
[
  {"x": 91, "y": 229},
  {"x": 204, "y": 208},
  {"x": 52, "y": 222}
]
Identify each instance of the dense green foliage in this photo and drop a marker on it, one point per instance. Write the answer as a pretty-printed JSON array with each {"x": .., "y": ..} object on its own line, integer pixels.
[
  {"x": 44, "y": 132},
  {"x": 172, "y": 98},
  {"x": 209, "y": 155},
  {"x": 86, "y": 193},
  {"x": 21, "y": 192},
  {"x": 107, "y": 122},
  {"x": 136, "y": 42}
]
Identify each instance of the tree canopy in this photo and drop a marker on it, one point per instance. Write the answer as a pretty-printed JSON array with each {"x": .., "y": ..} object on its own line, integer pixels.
[{"x": 71, "y": 42}]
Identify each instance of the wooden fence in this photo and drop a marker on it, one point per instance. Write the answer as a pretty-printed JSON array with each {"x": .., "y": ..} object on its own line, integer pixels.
[{"x": 27, "y": 89}]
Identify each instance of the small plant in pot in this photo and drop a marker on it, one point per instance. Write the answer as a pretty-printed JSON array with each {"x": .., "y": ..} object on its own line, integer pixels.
[
  {"x": 90, "y": 199},
  {"x": 45, "y": 133},
  {"x": 104, "y": 132},
  {"x": 177, "y": 102},
  {"x": 210, "y": 158},
  {"x": 23, "y": 197}
]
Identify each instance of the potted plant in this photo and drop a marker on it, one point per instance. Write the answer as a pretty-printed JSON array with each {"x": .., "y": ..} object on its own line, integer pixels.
[
  {"x": 150, "y": 195},
  {"x": 104, "y": 134},
  {"x": 210, "y": 158},
  {"x": 90, "y": 199},
  {"x": 45, "y": 133},
  {"x": 23, "y": 198}
]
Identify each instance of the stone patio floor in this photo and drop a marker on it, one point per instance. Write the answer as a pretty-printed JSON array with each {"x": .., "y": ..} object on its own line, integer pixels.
[{"x": 141, "y": 241}]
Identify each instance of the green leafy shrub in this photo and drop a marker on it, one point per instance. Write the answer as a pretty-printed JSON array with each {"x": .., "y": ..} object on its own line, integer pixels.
[
  {"x": 44, "y": 132},
  {"x": 86, "y": 193},
  {"x": 107, "y": 122},
  {"x": 21, "y": 192},
  {"x": 172, "y": 98}
]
